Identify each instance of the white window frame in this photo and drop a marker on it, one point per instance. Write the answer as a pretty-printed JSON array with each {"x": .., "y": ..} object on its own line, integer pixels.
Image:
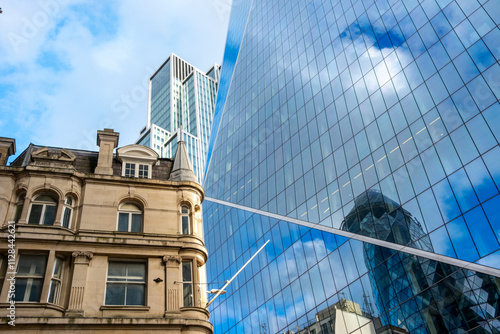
[
  {"x": 188, "y": 284},
  {"x": 68, "y": 207},
  {"x": 125, "y": 281},
  {"x": 188, "y": 216},
  {"x": 130, "y": 213},
  {"x": 30, "y": 277},
  {"x": 136, "y": 169},
  {"x": 44, "y": 205},
  {"x": 136, "y": 156},
  {"x": 56, "y": 280}
]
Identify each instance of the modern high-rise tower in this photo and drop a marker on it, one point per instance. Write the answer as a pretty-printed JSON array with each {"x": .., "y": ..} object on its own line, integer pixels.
[
  {"x": 362, "y": 139},
  {"x": 181, "y": 101}
]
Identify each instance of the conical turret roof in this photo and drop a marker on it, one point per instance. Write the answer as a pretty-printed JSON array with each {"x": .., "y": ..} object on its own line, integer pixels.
[{"x": 182, "y": 169}]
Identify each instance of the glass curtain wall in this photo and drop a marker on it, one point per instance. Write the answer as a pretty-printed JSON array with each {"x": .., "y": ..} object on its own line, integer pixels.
[{"x": 362, "y": 139}]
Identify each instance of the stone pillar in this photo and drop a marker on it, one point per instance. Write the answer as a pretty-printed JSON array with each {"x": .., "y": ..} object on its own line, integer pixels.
[
  {"x": 172, "y": 285},
  {"x": 48, "y": 276},
  {"x": 60, "y": 208},
  {"x": 107, "y": 140},
  {"x": 24, "y": 213},
  {"x": 80, "y": 268}
]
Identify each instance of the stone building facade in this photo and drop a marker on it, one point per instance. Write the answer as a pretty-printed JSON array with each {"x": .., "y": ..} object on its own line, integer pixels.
[{"x": 101, "y": 241}]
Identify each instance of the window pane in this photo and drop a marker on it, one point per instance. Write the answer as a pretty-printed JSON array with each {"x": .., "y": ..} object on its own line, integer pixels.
[
  {"x": 123, "y": 221},
  {"x": 28, "y": 289},
  {"x": 21, "y": 285},
  {"x": 18, "y": 210},
  {"x": 54, "y": 291},
  {"x": 115, "y": 294},
  {"x": 188, "y": 294},
  {"x": 50, "y": 215},
  {"x": 185, "y": 225},
  {"x": 136, "y": 223},
  {"x": 481, "y": 231},
  {"x": 31, "y": 265},
  {"x": 129, "y": 170},
  {"x": 34, "y": 292},
  {"x": 36, "y": 212},
  {"x": 135, "y": 294},
  {"x": 117, "y": 269},
  {"x": 143, "y": 171},
  {"x": 136, "y": 271},
  {"x": 186, "y": 272},
  {"x": 66, "y": 217},
  {"x": 57, "y": 268}
]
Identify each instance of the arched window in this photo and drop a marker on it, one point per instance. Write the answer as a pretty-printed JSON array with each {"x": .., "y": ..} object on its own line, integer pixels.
[
  {"x": 67, "y": 212},
  {"x": 129, "y": 218},
  {"x": 19, "y": 206},
  {"x": 185, "y": 220},
  {"x": 43, "y": 210}
]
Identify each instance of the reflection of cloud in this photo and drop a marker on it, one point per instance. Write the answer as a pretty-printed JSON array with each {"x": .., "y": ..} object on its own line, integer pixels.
[{"x": 492, "y": 260}]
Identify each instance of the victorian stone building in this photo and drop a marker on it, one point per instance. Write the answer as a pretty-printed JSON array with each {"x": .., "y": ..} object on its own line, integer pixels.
[{"x": 100, "y": 241}]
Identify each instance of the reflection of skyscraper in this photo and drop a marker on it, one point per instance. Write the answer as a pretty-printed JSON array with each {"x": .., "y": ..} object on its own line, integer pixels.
[
  {"x": 324, "y": 101},
  {"x": 395, "y": 278},
  {"x": 181, "y": 100}
]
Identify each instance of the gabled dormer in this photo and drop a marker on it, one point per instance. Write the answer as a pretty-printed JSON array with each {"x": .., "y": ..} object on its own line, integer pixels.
[{"x": 137, "y": 161}]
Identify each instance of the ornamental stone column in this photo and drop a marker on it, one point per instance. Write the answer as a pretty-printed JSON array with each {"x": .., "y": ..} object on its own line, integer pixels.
[
  {"x": 172, "y": 286},
  {"x": 81, "y": 260}
]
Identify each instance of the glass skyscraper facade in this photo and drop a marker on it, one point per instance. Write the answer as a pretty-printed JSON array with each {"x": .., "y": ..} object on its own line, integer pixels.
[
  {"x": 181, "y": 103},
  {"x": 362, "y": 139}
]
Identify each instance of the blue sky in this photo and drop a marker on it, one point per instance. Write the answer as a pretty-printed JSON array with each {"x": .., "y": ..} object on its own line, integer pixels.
[{"x": 70, "y": 67}]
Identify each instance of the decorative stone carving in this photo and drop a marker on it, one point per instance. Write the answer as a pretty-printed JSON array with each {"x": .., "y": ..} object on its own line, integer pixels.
[
  {"x": 51, "y": 157},
  {"x": 171, "y": 259},
  {"x": 172, "y": 300},
  {"x": 82, "y": 256},
  {"x": 76, "y": 298}
]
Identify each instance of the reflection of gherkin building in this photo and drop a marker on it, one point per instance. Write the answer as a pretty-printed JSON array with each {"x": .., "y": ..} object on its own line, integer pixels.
[{"x": 409, "y": 291}]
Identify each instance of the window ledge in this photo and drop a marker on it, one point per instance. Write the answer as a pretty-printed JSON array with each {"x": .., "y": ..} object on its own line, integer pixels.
[
  {"x": 20, "y": 304},
  {"x": 125, "y": 308}
]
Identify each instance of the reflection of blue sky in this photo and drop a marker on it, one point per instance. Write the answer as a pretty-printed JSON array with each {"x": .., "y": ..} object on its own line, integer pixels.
[
  {"x": 364, "y": 49},
  {"x": 237, "y": 23}
]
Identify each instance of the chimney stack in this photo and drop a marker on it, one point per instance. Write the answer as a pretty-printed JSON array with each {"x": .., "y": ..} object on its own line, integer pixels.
[
  {"x": 107, "y": 140},
  {"x": 7, "y": 148}
]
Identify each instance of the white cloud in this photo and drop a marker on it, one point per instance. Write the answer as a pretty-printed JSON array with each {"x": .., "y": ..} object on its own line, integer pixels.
[{"x": 69, "y": 68}]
